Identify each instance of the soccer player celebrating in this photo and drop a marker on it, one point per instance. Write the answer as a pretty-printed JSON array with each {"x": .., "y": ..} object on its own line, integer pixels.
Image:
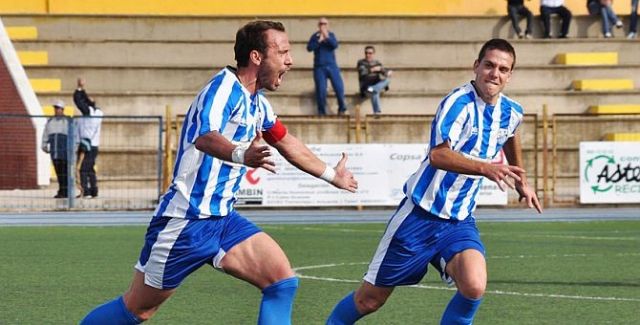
[
  {"x": 195, "y": 222},
  {"x": 434, "y": 222}
]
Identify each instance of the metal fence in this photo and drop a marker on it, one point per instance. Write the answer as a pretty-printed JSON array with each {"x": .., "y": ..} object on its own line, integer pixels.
[
  {"x": 568, "y": 130},
  {"x": 131, "y": 154},
  {"x": 128, "y": 165}
]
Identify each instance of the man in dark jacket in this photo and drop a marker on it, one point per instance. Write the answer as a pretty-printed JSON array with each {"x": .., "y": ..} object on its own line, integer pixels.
[
  {"x": 323, "y": 44},
  {"x": 373, "y": 77}
]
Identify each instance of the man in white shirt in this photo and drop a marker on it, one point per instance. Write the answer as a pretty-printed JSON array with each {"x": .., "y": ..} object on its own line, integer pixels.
[{"x": 89, "y": 126}]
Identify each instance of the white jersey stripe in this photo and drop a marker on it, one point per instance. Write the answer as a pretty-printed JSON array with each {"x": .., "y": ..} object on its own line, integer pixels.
[
  {"x": 395, "y": 222},
  {"x": 154, "y": 268}
]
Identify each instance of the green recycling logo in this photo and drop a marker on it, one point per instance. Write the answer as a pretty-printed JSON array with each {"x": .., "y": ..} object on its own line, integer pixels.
[{"x": 604, "y": 173}]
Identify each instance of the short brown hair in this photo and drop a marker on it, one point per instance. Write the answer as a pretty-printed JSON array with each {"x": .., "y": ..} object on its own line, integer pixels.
[
  {"x": 498, "y": 44},
  {"x": 252, "y": 37}
]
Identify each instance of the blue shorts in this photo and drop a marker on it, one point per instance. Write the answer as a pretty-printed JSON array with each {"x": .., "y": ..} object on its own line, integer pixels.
[
  {"x": 413, "y": 239},
  {"x": 175, "y": 247}
]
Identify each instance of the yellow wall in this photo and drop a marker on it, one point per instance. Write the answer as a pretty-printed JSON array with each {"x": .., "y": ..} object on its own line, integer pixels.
[
  {"x": 281, "y": 7},
  {"x": 23, "y": 6}
]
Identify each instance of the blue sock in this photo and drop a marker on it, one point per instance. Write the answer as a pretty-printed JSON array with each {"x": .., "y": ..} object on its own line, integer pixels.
[
  {"x": 460, "y": 310},
  {"x": 113, "y": 312},
  {"x": 277, "y": 302},
  {"x": 345, "y": 312}
]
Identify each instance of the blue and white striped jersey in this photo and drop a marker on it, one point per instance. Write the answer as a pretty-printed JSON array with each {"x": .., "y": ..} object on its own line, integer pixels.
[
  {"x": 476, "y": 130},
  {"x": 203, "y": 185}
]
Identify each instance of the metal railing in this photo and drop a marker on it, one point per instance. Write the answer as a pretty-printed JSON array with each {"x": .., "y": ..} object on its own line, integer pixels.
[
  {"x": 568, "y": 130},
  {"x": 128, "y": 166}
]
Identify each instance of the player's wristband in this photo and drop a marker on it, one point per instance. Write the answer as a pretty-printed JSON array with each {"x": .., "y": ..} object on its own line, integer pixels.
[
  {"x": 328, "y": 175},
  {"x": 237, "y": 155}
]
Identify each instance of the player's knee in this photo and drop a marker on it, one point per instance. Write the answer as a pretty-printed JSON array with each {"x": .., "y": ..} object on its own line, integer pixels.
[
  {"x": 284, "y": 286},
  {"x": 473, "y": 289},
  {"x": 367, "y": 304},
  {"x": 144, "y": 314}
]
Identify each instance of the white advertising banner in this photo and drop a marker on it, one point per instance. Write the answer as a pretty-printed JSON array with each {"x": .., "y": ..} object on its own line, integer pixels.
[
  {"x": 381, "y": 171},
  {"x": 609, "y": 172}
]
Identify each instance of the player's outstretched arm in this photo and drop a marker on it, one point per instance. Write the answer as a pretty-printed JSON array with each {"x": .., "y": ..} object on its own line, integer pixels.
[{"x": 299, "y": 155}]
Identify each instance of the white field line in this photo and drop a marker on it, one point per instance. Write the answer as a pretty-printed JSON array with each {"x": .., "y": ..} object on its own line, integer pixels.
[{"x": 420, "y": 286}]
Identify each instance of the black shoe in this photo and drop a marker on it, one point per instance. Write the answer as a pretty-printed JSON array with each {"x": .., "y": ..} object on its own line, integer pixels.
[{"x": 60, "y": 196}]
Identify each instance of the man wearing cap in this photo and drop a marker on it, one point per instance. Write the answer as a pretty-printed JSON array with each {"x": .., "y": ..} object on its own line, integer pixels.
[{"x": 54, "y": 142}]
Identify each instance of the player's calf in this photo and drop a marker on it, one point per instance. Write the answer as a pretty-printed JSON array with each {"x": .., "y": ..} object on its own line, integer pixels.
[{"x": 113, "y": 312}]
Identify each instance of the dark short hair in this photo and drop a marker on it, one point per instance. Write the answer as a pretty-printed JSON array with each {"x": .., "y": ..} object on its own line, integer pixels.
[
  {"x": 498, "y": 44},
  {"x": 369, "y": 47},
  {"x": 252, "y": 37}
]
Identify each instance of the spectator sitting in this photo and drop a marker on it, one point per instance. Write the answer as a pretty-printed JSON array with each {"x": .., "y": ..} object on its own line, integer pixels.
[
  {"x": 373, "y": 77},
  {"x": 605, "y": 10},
  {"x": 549, "y": 7},
  {"x": 516, "y": 9}
]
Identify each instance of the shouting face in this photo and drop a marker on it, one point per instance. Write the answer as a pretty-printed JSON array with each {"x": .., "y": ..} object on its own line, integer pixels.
[
  {"x": 276, "y": 61},
  {"x": 493, "y": 73}
]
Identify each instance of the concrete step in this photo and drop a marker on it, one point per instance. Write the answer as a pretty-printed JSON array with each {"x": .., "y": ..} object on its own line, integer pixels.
[
  {"x": 22, "y": 32},
  {"x": 101, "y": 79},
  {"x": 45, "y": 85},
  {"x": 127, "y": 163},
  {"x": 397, "y": 53},
  {"x": 33, "y": 58},
  {"x": 585, "y": 58},
  {"x": 622, "y": 137},
  {"x": 394, "y": 102},
  {"x": 615, "y": 109},
  {"x": 375, "y": 29},
  {"x": 603, "y": 84}
]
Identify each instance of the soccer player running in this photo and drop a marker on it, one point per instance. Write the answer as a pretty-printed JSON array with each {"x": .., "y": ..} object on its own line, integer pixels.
[
  {"x": 195, "y": 222},
  {"x": 434, "y": 223}
]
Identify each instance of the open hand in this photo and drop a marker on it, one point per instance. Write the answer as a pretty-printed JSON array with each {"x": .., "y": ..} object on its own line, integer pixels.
[
  {"x": 344, "y": 178},
  {"x": 257, "y": 155},
  {"x": 503, "y": 174}
]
